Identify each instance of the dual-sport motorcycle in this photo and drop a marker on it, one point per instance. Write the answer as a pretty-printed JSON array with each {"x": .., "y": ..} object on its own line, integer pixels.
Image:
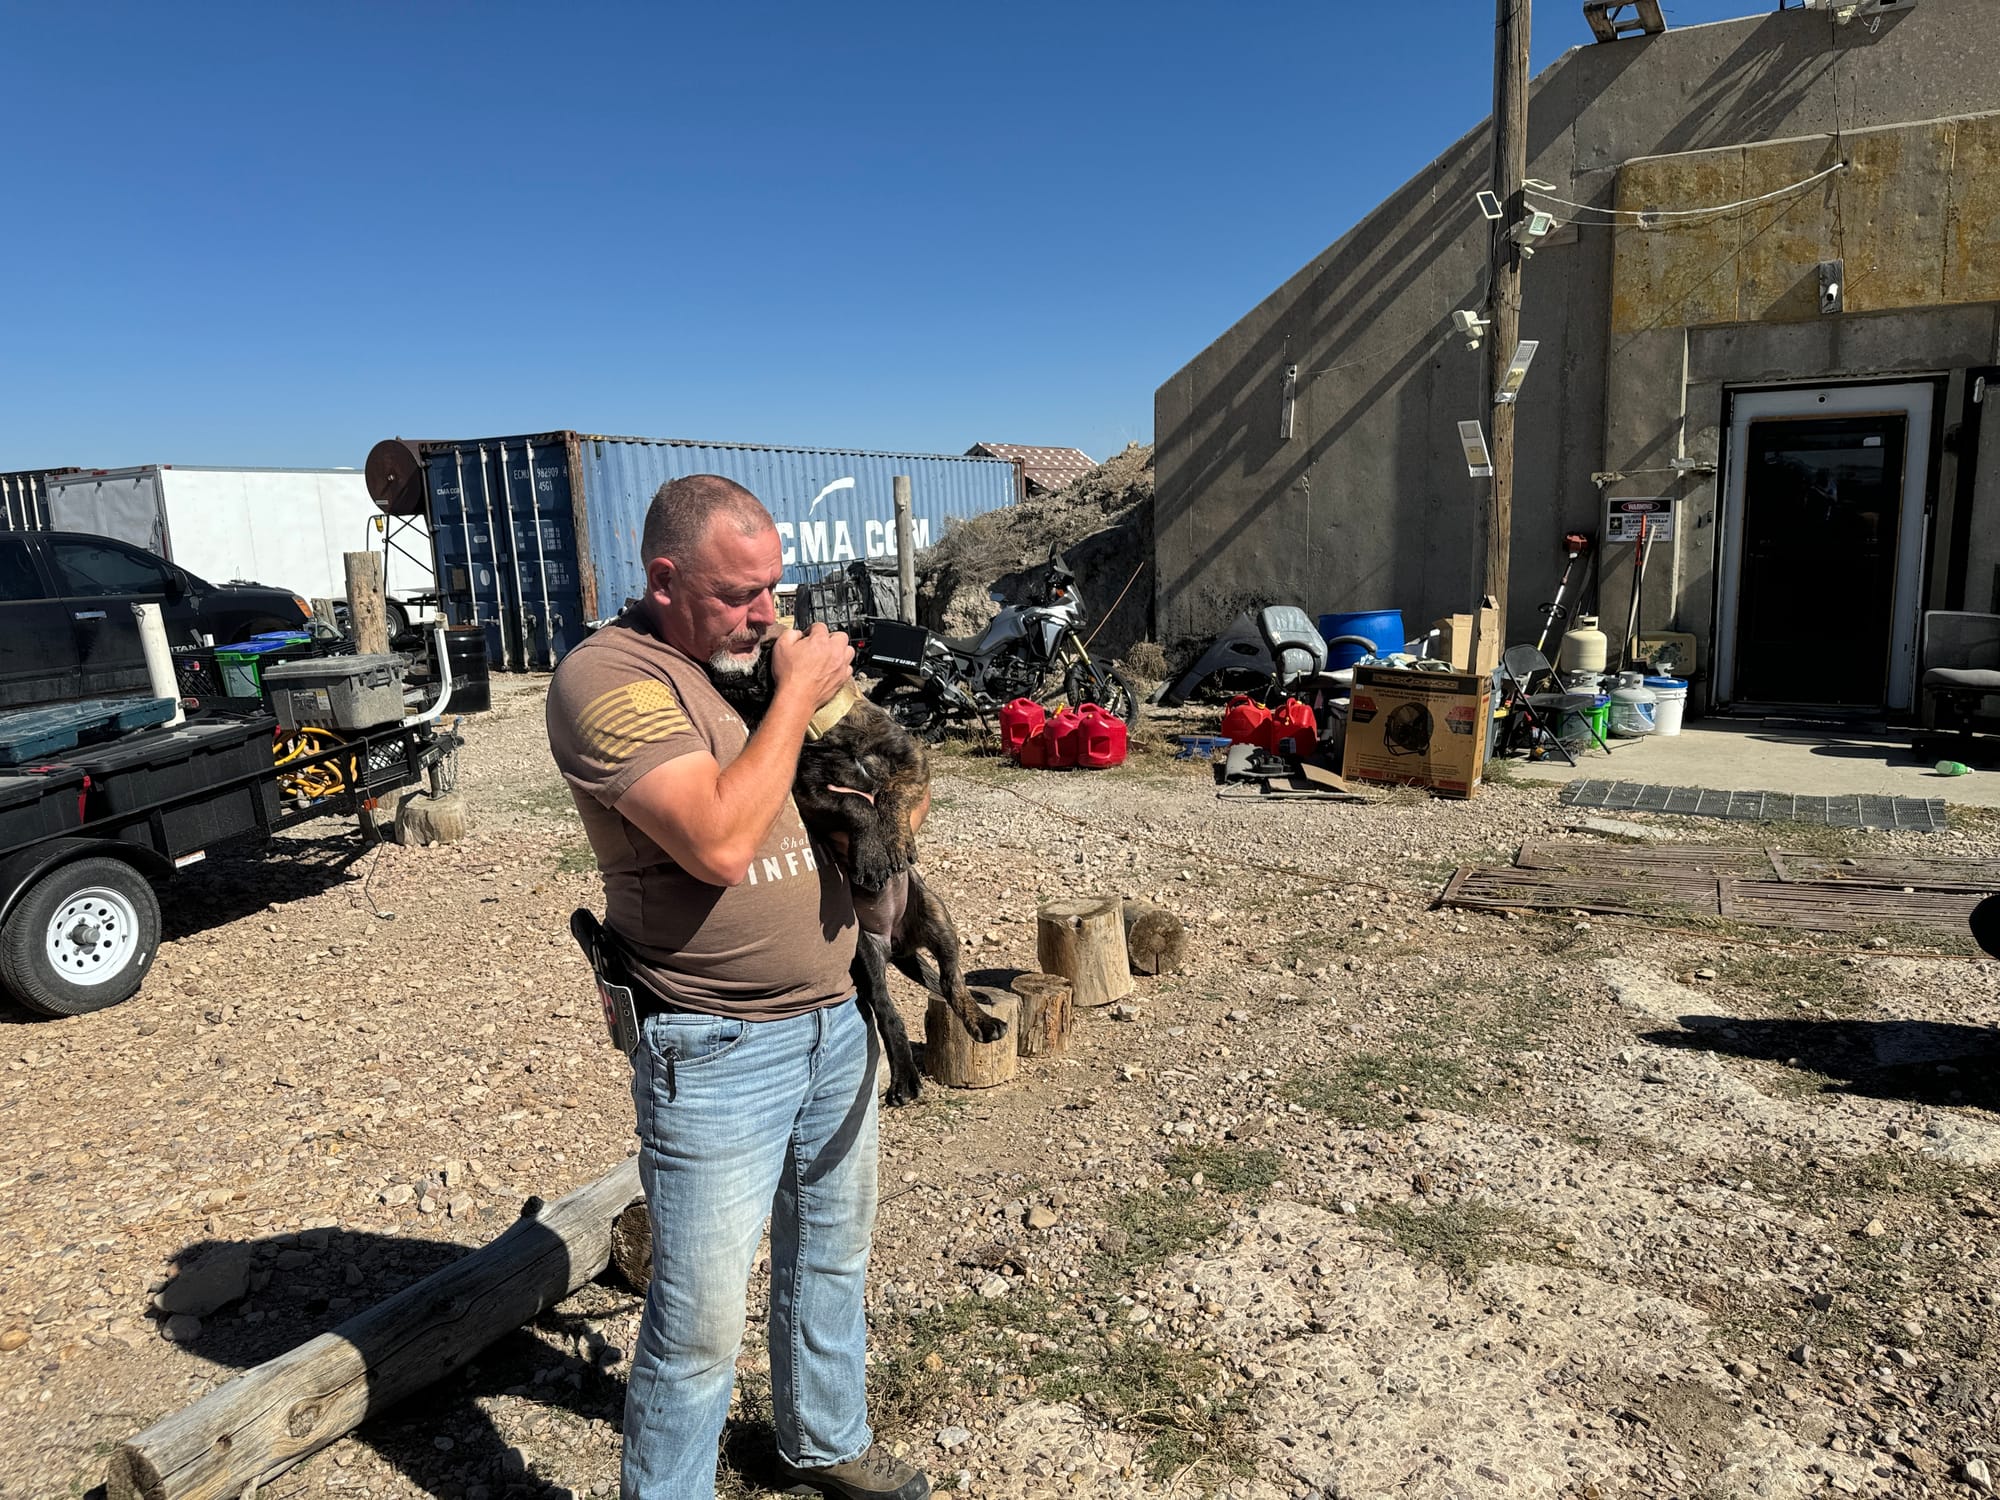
[{"x": 1034, "y": 650}]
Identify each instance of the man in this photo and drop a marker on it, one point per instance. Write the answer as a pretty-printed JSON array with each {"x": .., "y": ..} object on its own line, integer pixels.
[{"x": 755, "y": 1077}]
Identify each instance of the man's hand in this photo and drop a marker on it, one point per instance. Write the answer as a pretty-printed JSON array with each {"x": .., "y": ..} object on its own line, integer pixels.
[{"x": 817, "y": 664}]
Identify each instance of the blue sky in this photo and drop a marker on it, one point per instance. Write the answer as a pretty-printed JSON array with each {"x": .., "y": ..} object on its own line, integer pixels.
[{"x": 273, "y": 234}]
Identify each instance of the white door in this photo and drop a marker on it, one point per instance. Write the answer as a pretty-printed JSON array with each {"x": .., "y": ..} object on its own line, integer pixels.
[{"x": 1821, "y": 570}]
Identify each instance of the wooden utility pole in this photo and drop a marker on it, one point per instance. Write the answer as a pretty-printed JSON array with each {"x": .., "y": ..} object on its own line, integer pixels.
[
  {"x": 1503, "y": 304},
  {"x": 906, "y": 552},
  {"x": 365, "y": 609}
]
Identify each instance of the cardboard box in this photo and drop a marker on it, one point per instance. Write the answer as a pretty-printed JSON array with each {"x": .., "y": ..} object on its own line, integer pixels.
[
  {"x": 1418, "y": 728},
  {"x": 1455, "y": 643}
]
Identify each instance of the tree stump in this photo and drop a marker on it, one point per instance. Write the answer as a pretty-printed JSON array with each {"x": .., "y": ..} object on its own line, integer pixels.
[
  {"x": 1084, "y": 942},
  {"x": 1155, "y": 938},
  {"x": 1043, "y": 1030},
  {"x": 955, "y": 1058}
]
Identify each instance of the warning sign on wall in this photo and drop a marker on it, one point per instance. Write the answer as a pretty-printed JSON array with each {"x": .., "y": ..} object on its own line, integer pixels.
[{"x": 1623, "y": 519}]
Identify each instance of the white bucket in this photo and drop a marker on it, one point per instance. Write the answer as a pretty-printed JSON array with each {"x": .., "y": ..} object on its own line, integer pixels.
[{"x": 1670, "y": 695}]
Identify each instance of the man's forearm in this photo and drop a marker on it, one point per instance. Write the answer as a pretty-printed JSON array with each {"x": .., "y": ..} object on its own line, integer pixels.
[{"x": 750, "y": 793}]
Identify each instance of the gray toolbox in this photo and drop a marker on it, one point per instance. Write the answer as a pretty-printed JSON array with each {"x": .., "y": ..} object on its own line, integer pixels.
[{"x": 337, "y": 692}]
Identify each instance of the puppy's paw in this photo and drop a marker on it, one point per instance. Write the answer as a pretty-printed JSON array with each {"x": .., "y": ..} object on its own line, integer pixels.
[
  {"x": 903, "y": 1091},
  {"x": 989, "y": 1029}
]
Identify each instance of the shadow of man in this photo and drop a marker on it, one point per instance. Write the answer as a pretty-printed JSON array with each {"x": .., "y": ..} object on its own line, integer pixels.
[{"x": 1922, "y": 1062}]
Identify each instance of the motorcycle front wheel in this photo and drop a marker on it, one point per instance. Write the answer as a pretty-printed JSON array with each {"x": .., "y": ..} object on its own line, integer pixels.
[
  {"x": 1107, "y": 687},
  {"x": 912, "y": 706}
]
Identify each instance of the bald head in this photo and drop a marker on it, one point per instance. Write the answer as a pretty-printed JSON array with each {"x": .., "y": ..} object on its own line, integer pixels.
[
  {"x": 683, "y": 509},
  {"x": 713, "y": 559}
]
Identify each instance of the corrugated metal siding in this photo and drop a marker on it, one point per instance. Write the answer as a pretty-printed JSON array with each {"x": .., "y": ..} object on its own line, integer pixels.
[{"x": 831, "y": 505}]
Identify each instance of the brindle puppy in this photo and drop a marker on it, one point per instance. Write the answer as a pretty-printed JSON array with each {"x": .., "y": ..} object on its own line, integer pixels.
[{"x": 860, "y": 780}]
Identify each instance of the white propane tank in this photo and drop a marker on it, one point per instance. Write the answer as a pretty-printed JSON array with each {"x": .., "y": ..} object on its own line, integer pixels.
[
  {"x": 1633, "y": 705},
  {"x": 1584, "y": 649}
]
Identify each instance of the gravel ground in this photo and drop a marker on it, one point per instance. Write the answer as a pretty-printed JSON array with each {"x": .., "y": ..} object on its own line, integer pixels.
[{"x": 1369, "y": 1200}]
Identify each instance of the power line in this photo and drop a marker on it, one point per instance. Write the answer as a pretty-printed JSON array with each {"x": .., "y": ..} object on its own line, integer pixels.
[{"x": 1645, "y": 214}]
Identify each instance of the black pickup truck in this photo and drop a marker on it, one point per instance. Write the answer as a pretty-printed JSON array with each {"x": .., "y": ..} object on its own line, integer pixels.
[{"x": 66, "y": 625}]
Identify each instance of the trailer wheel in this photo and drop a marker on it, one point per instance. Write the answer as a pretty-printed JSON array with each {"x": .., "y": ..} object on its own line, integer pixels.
[{"x": 82, "y": 938}]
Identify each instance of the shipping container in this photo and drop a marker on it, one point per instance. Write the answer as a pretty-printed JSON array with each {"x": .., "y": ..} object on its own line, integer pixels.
[
  {"x": 285, "y": 528},
  {"x": 24, "y": 499},
  {"x": 537, "y": 538}
]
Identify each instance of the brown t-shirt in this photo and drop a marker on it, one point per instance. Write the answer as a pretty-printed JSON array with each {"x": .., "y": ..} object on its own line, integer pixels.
[{"x": 777, "y": 944}]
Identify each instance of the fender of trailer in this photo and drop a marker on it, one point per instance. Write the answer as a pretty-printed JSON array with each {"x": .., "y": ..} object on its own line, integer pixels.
[{"x": 24, "y": 867}]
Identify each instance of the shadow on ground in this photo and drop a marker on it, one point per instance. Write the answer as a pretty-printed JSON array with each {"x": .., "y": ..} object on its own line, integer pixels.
[
  {"x": 1922, "y": 1062},
  {"x": 308, "y": 1283}
]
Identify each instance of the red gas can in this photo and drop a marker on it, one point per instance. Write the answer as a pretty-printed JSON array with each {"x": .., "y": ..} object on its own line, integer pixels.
[
  {"x": 1244, "y": 719},
  {"x": 1292, "y": 730},
  {"x": 1020, "y": 721},
  {"x": 1036, "y": 750},
  {"x": 1101, "y": 740},
  {"x": 1065, "y": 732}
]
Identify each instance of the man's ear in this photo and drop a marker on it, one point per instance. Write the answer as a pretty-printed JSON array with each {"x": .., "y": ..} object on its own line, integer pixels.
[{"x": 661, "y": 577}]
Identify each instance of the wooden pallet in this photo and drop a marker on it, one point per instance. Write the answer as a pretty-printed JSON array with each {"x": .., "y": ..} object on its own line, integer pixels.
[
  {"x": 1511, "y": 888},
  {"x": 1917, "y": 872},
  {"x": 28, "y": 735},
  {"x": 1835, "y": 906},
  {"x": 1648, "y": 860}
]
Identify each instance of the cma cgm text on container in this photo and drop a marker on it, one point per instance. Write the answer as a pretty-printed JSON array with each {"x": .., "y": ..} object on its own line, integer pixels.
[{"x": 537, "y": 538}]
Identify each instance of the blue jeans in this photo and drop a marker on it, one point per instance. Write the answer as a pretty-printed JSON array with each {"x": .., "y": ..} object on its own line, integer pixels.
[{"x": 737, "y": 1120}]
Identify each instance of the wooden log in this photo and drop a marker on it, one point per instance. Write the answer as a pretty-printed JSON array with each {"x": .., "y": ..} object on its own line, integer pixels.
[
  {"x": 632, "y": 1248},
  {"x": 1155, "y": 938},
  {"x": 955, "y": 1058},
  {"x": 246, "y": 1433},
  {"x": 365, "y": 606},
  {"x": 1084, "y": 941},
  {"x": 325, "y": 619},
  {"x": 1043, "y": 1030}
]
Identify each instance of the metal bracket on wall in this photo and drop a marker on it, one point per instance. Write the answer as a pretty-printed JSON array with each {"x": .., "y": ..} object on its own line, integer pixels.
[{"x": 1285, "y": 408}]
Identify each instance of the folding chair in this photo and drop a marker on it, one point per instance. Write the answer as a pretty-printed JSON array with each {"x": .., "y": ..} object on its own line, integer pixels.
[{"x": 1521, "y": 665}]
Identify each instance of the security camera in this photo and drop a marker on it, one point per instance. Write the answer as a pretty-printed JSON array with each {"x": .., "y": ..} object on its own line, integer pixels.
[{"x": 1470, "y": 326}]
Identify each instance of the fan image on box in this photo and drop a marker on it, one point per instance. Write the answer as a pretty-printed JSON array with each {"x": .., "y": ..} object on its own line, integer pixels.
[{"x": 1407, "y": 730}]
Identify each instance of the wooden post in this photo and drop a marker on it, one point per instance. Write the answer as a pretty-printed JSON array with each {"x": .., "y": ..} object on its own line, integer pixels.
[
  {"x": 1084, "y": 941},
  {"x": 906, "y": 552},
  {"x": 246, "y": 1433},
  {"x": 1510, "y": 169},
  {"x": 1043, "y": 1030},
  {"x": 1155, "y": 938},
  {"x": 364, "y": 602},
  {"x": 954, "y": 1058},
  {"x": 325, "y": 618}
]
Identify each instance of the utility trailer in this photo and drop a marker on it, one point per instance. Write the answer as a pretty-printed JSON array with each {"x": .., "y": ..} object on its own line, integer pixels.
[{"x": 87, "y": 831}]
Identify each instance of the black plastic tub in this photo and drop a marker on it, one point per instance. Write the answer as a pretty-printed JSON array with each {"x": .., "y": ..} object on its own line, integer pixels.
[
  {"x": 39, "y": 805},
  {"x": 180, "y": 790}
]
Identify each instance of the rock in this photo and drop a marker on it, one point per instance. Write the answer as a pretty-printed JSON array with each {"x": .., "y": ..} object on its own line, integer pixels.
[
  {"x": 953, "y": 1437},
  {"x": 1040, "y": 1217},
  {"x": 12, "y": 1339},
  {"x": 183, "y": 1328},
  {"x": 1877, "y": 942},
  {"x": 993, "y": 1288},
  {"x": 1705, "y": 974},
  {"x": 1975, "y": 1473},
  {"x": 1130, "y": 1074},
  {"x": 1654, "y": 1075},
  {"x": 1238, "y": 1015},
  {"x": 1123, "y": 1012},
  {"x": 210, "y": 1284},
  {"x": 292, "y": 1260},
  {"x": 1902, "y": 1359},
  {"x": 1800, "y": 1354},
  {"x": 1874, "y": 1229},
  {"x": 427, "y": 1204},
  {"x": 398, "y": 1195}
]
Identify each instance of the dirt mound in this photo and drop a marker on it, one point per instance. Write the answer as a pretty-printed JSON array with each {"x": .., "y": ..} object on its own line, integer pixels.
[{"x": 1103, "y": 525}]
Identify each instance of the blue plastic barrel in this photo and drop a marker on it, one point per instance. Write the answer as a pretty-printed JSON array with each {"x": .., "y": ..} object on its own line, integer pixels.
[{"x": 1382, "y": 626}]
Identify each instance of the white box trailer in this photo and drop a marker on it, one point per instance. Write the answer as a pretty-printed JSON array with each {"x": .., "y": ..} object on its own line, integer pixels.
[{"x": 284, "y": 528}]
